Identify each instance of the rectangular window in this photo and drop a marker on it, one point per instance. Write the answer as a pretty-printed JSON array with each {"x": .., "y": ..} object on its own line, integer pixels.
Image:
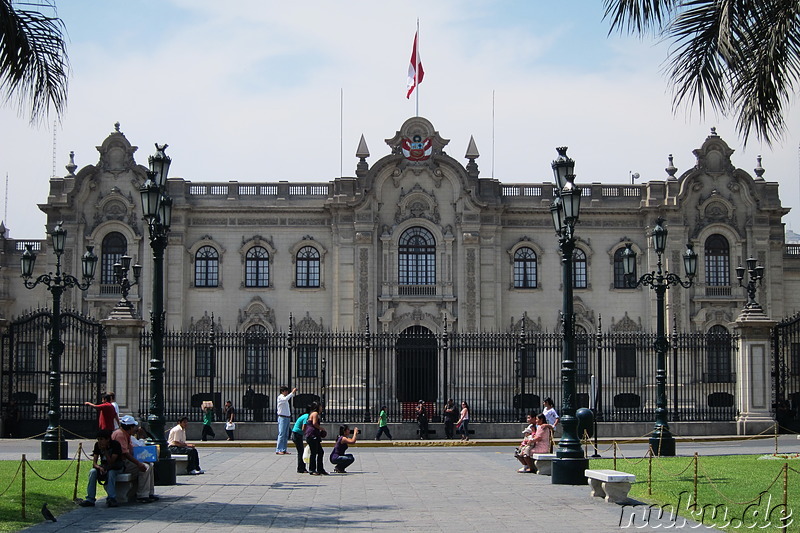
[
  {"x": 581, "y": 358},
  {"x": 203, "y": 361},
  {"x": 625, "y": 360},
  {"x": 529, "y": 364},
  {"x": 794, "y": 362},
  {"x": 307, "y": 360},
  {"x": 256, "y": 364},
  {"x": 26, "y": 357}
]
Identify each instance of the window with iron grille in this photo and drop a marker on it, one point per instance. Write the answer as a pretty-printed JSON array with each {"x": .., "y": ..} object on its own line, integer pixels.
[
  {"x": 620, "y": 280},
  {"x": 579, "y": 274},
  {"x": 206, "y": 267},
  {"x": 525, "y": 270},
  {"x": 529, "y": 364},
  {"x": 794, "y": 359},
  {"x": 417, "y": 257},
  {"x": 718, "y": 261},
  {"x": 256, "y": 358},
  {"x": 718, "y": 355},
  {"x": 581, "y": 355},
  {"x": 307, "y": 267},
  {"x": 625, "y": 360},
  {"x": 256, "y": 267},
  {"x": 26, "y": 357},
  {"x": 307, "y": 360},
  {"x": 113, "y": 248},
  {"x": 204, "y": 361}
]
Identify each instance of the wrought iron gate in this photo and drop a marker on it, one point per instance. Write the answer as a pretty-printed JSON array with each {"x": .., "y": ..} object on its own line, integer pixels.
[
  {"x": 786, "y": 372},
  {"x": 26, "y": 367}
]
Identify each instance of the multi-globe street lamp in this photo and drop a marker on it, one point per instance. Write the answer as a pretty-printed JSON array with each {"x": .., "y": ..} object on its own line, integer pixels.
[
  {"x": 755, "y": 274},
  {"x": 568, "y": 468},
  {"x": 53, "y": 446},
  {"x": 157, "y": 212},
  {"x": 121, "y": 269},
  {"x": 661, "y": 440}
]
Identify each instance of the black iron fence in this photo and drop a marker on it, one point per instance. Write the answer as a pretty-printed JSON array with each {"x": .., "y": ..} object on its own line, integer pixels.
[
  {"x": 501, "y": 375},
  {"x": 786, "y": 372}
]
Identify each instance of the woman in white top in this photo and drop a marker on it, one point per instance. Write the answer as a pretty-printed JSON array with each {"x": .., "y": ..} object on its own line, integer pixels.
[{"x": 463, "y": 422}]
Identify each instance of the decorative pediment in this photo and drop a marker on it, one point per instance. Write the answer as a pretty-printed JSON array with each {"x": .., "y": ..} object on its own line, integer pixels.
[
  {"x": 205, "y": 324},
  {"x": 530, "y": 325},
  {"x": 116, "y": 153},
  {"x": 308, "y": 325},
  {"x": 626, "y": 325},
  {"x": 714, "y": 157},
  {"x": 417, "y": 141},
  {"x": 256, "y": 312},
  {"x": 417, "y": 203}
]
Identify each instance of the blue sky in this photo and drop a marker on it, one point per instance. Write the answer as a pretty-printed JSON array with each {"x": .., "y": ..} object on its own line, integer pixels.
[{"x": 258, "y": 90}]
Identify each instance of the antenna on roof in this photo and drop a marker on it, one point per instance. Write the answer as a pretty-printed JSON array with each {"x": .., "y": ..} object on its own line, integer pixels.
[
  {"x": 5, "y": 211},
  {"x": 53, "y": 175}
]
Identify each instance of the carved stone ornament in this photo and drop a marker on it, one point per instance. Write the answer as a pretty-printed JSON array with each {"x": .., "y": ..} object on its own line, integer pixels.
[
  {"x": 308, "y": 325},
  {"x": 626, "y": 325},
  {"x": 257, "y": 312},
  {"x": 116, "y": 153}
]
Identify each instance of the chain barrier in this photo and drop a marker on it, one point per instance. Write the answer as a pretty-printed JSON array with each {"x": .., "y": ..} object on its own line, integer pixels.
[
  {"x": 19, "y": 468},
  {"x": 57, "y": 477},
  {"x": 81, "y": 437},
  {"x": 714, "y": 486},
  {"x": 630, "y": 461}
]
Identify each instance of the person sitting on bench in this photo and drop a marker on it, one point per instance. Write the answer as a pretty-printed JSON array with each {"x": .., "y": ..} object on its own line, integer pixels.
[{"x": 179, "y": 446}]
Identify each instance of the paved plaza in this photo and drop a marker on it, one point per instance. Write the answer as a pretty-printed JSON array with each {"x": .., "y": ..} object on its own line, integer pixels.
[{"x": 389, "y": 488}]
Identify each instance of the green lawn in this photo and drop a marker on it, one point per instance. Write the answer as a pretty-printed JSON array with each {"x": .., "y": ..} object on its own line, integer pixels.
[
  {"x": 57, "y": 494},
  {"x": 732, "y": 484}
]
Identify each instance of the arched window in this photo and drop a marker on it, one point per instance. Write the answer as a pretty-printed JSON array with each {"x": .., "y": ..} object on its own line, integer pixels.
[
  {"x": 620, "y": 281},
  {"x": 718, "y": 356},
  {"x": 525, "y": 270},
  {"x": 206, "y": 267},
  {"x": 417, "y": 257},
  {"x": 256, "y": 356},
  {"x": 307, "y": 267},
  {"x": 113, "y": 248},
  {"x": 718, "y": 261},
  {"x": 579, "y": 277},
  {"x": 256, "y": 267}
]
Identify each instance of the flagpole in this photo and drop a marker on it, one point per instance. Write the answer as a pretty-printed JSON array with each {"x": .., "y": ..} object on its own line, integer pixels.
[
  {"x": 416, "y": 68},
  {"x": 492, "y": 133},
  {"x": 341, "y": 131}
]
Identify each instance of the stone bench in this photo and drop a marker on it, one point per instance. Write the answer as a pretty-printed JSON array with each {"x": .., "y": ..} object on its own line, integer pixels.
[
  {"x": 612, "y": 485},
  {"x": 126, "y": 488},
  {"x": 181, "y": 464},
  {"x": 543, "y": 463}
]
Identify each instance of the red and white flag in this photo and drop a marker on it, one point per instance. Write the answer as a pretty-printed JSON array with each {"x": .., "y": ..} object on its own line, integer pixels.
[{"x": 415, "y": 71}]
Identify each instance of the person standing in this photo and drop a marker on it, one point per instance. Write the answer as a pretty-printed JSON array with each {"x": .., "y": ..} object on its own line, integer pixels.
[
  {"x": 297, "y": 438},
  {"x": 107, "y": 415},
  {"x": 383, "y": 424},
  {"x": 314, "y": 433},
  {"x": 463, "y": 421},
  {"x": 230, "y": 414},
  {"x": 450, "y": 415},
  {"x": 208, "y": 419},
  {"x": 113, "y": 396},
  {"x": 550, "y": 413},
  {"x": 422, "y": 420},
  {"x": 284, "y": 419}
]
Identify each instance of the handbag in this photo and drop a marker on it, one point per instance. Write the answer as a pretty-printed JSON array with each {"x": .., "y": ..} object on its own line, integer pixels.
[
  {"x": 307, "y": 454},
  {"x": 230, "y": 426}
]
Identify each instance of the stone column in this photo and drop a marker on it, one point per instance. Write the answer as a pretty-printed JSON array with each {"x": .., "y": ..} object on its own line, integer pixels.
[
  {"x": 753, "y": 382},
  {"x": 124, "y": 364}
]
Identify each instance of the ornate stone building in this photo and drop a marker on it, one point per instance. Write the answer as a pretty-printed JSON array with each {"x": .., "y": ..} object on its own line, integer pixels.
[{"x": 416, "y": 238}]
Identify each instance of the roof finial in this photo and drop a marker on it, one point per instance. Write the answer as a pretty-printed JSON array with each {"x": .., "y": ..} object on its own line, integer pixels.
[
  {"x": 759, "y": 170},
  {"x": 671, "y": 170}
]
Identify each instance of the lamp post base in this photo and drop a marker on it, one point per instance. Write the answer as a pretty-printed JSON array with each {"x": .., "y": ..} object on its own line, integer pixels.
[
  {"x": 662, "y": 445},
  {"x": 164, "y": 470},
  {"x": 569, "y": 471},
  {"x": 53, "y": 450}
]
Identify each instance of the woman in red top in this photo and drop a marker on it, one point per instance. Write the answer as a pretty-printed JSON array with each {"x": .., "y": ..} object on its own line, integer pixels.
[{"x": 107, "y": 415}]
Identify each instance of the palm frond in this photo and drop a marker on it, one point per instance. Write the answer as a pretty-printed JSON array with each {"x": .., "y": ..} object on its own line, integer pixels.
[
  {"x": 638, "y": 16},
  {"x": 34, "y": 67}
]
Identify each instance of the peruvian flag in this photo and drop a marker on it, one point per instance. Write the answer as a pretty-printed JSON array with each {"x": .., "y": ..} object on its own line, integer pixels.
[{"x": 415, "y": 71}]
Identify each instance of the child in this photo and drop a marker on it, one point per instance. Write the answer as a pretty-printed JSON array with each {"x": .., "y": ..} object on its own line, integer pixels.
[{"x": 383, "y": 427}]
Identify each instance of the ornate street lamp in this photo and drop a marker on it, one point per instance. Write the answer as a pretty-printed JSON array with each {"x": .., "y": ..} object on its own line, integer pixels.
[
  {"x": 53, "y": 446},
  {"x": 755, "y": 275},
  {"x": 661, "y": 440},
  {"x": 121, "y": 269},
  {"x": 570, "y": 464},
  {"x": 157, "y": 212}
]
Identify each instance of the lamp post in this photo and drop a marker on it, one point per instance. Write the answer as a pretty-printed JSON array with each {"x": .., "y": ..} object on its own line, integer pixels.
[
  {"x": 157, "y": 212},
  {"x": 570, "y": 463},
  {"x": 661, "y": 440},
  {"x": 121, "y": 269},
  {"x": 53, "y": 446},
  {"x": 755, "y": 275}
]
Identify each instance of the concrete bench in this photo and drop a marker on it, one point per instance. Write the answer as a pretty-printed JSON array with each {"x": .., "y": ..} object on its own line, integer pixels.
[
  {"x": 612, "y": 485},
  {"x": 126, "y": 488},
  {"x": 181, "y": 464},
  {"x": 543, "y": 463}
]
